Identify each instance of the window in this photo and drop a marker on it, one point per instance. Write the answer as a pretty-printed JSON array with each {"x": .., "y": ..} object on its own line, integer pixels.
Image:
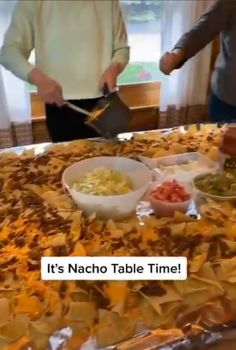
[
  {"x": 6, "y": 8},
  {"x": 142, "y": 19}
]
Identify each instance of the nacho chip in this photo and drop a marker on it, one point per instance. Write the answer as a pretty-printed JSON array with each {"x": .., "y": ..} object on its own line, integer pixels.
[
  {"x": 82, "y": 312},
  {"x": 29, "y": 305},
  {"x": 5, "y": 311},
  {"x": 117, "y": 292},
  {"x": 112, "y": 328},
  {"x": 15, "y": 328}
]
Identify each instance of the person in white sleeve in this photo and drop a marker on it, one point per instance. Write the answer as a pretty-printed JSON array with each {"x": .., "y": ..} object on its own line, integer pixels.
[{"x": 80, "y": 46}]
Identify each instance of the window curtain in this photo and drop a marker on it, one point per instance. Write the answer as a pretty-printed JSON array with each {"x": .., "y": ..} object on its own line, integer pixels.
[
  {"x": 184, "y": 92},
  {"x": 15, "y": 106}
]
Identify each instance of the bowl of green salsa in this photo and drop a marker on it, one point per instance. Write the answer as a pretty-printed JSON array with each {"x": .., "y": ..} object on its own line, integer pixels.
[{"x": 218, "y": 185}]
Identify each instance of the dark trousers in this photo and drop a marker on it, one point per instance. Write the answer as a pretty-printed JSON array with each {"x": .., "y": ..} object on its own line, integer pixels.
[
  {"x": 64, "y": 124},
  {"x": 221, "y": 112}
]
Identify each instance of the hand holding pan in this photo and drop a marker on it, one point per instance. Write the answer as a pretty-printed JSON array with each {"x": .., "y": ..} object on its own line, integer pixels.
[
  {"x": 114, "y": 117},
  {"x": 111, "y": 116}
]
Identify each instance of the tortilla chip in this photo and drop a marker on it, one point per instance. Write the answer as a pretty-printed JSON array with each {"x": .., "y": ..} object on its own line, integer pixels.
[
  {"x": 27, "y": 305},
  {"x": 44, "y": 327},
  {"x": 117, "y": 292},
  {"x": 39, "y": 341},
  {"x": 197, "y": 262},
  {"x": 56, "y": 241},
  {"x": 178, "y": 229},
  {"x": 112, "y": 328},
  {"x": 164, "y": 317},
  {"x": 5, "y": 311},
  {"x": 82, "y": 312},
  {"x": 79, "y": 250},
  {"x": 76, "y": 223},
  {"x": 226, "y": 270},
  {"x": 230, "y": 290},
  {"x": 21, "y": 344},
  {"x": 15, "y": 329},
  {"x": 76, "y": 341},
  {"x": 196, "y": 291},
  {"x": 56, "y": 200}
]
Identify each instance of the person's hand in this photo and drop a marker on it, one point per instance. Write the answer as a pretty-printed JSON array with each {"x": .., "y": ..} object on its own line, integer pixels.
[
  {"x": 48, "y": 89},
  {"x": 50, "y": 92},
  {"x": 171, "y": 60},
  {"x": 110, "y": 75}
]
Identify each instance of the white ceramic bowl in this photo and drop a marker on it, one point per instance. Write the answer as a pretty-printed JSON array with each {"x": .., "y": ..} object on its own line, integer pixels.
[
  {"x": 168, "y": 209},
  {"x": 108, "y": 207}
]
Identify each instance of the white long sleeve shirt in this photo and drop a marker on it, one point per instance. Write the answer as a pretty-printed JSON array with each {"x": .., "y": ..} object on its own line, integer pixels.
[{"x": 74, "y": 42}]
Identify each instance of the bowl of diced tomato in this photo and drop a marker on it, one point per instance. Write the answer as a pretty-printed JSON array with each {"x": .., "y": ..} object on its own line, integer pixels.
[{"x": 170, "y": 197}]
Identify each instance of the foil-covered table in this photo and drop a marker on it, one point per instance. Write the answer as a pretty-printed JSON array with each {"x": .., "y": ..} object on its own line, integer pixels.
[{"x": 218, "y": 337}]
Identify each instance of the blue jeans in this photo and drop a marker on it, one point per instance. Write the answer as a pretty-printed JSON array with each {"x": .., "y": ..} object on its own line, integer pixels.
[{"x": 221, "y": 112}]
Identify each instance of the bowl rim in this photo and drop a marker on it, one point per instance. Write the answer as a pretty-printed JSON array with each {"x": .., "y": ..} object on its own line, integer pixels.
[
  {"x": 211, "y": 163},
  {"x": 110, "y": 197}
]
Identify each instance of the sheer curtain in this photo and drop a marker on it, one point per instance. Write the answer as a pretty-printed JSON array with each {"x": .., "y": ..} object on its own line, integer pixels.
[
  {"x": 15, "y": 107},
  {"x": 184, "y": 92}
]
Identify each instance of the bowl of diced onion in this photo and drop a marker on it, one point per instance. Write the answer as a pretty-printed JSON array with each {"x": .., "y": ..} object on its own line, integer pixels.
[{"x": 111, "y": 187}]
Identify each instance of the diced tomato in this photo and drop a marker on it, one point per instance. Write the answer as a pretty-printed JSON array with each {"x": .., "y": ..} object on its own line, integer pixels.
[{"x": 171, "y": 191}]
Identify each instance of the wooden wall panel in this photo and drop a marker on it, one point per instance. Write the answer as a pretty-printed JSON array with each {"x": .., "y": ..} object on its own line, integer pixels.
[
  {"x": 135, "y": 96},
  {"x": 40, "y": 133},
  {"x": 143, "y": 100},
  {"x": 141, "y": 95},
  {"x": 143, "y": 119},
  {"x": 37, "y": 106}
]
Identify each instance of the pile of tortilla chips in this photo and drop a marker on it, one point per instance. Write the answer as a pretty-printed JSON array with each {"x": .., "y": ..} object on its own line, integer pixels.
[{"x": 38, "y": 219}]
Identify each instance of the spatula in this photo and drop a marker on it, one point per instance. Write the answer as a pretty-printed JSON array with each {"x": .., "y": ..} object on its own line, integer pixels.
[{"x": 78, "y": 109}]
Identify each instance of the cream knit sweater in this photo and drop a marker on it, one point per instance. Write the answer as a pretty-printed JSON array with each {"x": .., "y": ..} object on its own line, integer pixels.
[{"x": 74, "y": 42}]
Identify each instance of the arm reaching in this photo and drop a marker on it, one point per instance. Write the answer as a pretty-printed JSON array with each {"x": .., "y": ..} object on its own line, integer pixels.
[
  {"x": 172, "y": 60},
  {"x": 209, "y": 25}
]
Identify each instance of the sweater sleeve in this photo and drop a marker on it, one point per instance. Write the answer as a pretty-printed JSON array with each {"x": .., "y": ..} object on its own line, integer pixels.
[
  {"x": 209, "y": 25},
  {"x": 120, "y": 41},
  {"x": 19, "y": 40}
]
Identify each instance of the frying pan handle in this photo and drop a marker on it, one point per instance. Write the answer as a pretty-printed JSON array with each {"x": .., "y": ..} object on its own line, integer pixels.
[{"x": 106, "y": 91}]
